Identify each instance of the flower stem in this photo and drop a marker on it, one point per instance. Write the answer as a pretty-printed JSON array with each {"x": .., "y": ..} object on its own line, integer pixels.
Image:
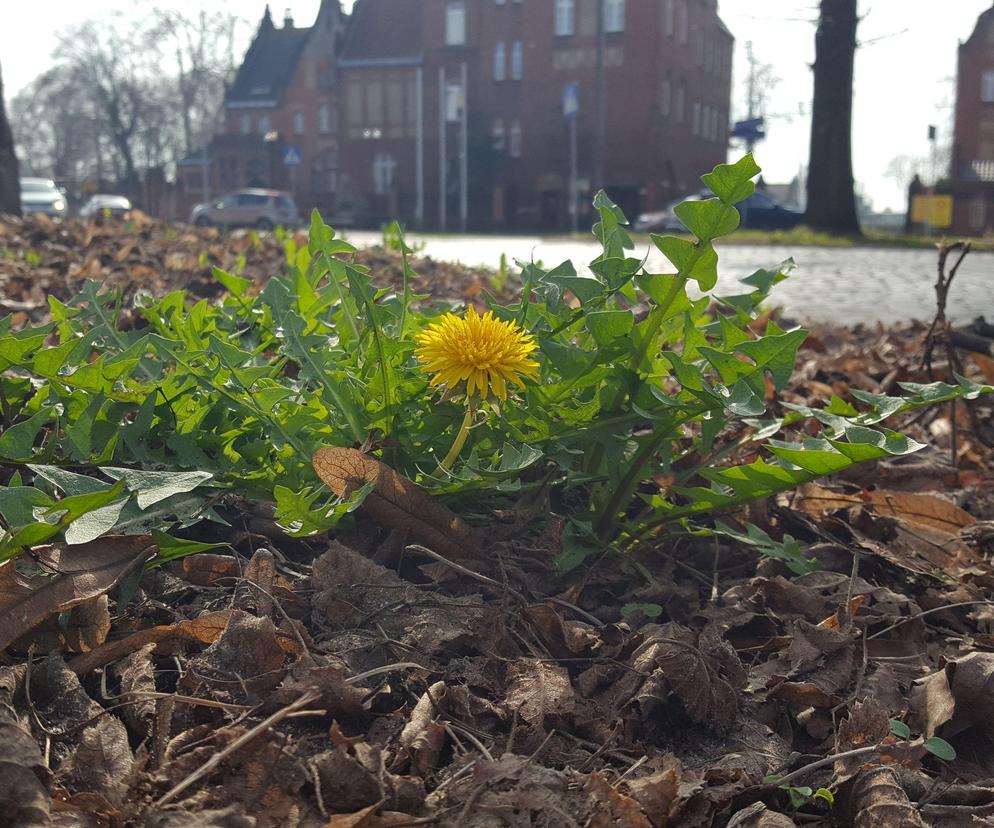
[{"x": 458, "y": 444}]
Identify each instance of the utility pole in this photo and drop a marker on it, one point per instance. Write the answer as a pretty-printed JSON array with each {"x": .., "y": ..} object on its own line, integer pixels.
[
  {"x": 442, "y": 195},
  {"x": 464, "y": 149},
  {"x": 751, "y": 142},
  {"x": 419, "y": 150}
]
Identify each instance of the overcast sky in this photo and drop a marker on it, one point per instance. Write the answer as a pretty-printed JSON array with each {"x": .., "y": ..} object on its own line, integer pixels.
[{"x": 904, "y": 70}]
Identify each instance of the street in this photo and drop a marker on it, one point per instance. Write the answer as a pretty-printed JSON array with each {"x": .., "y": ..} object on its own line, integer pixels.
[{"x": 830, "y": 284}]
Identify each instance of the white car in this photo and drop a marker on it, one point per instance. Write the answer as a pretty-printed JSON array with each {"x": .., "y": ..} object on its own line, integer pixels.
[
  {"x": 102, "y": 205},
  {"x": 40, "y": 195}
]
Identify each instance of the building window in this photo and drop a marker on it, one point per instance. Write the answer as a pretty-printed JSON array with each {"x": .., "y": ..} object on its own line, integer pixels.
[
  {"x": 565, "y": 17},
  {"x": 374, "y": 103},
  {"x": 666, "y": 100},
  {"x": 517, "y": 60},
  {"x": 499, "y": 137},
  {"x": 265, "y": 126},
  {"x": 354, "y": 101},
  {"x": 670, "y": 17},
  {"x": 681, "y": 101},
  {"x": 500, "y": 63},
  {"x": 324, "y": 119},
  {"x": 453, "y": 102},
  {"x": 682, "y": 22},
  {"x": 987, "y": 87},
  {"x": 245, "y": 123},
  {"x": 715, "y": 126},
  {"x": 614, "y": 15},
  {"x": 455, "y": 24},
  {"x": 706, "y": 122},
  {"x": 383, "y": 167},
  {"x": 515, "y": 142},
  {"x": 298, "y": 123},
  {"x": 696, "y": 119},
  {"x": 501, "y": 2},
  {"x": 977, "y": 213}
]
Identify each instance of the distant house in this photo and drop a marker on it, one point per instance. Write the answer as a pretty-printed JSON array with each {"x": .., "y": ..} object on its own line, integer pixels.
[
  {"x": 450, "y": 113},
  {"x": 972, "y": 168}
]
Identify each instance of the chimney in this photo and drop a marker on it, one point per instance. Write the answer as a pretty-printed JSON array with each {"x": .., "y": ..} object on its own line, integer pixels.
[{"x": 287, "y": 20}]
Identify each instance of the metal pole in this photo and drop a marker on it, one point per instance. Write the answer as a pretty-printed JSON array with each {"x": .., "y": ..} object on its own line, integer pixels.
[
  {"x": 441, "y": 148},
  {"x": 601, "y": 100},
  {"x": 205, "y": 176},
  {"x": 574, "y": 201},
  {"x": 750, "y": 144},
  {"x": 464, "y": 153},
  {"x": 419, "y": 151}
]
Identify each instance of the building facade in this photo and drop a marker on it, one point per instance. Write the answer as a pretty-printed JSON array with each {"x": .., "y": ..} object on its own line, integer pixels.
[
  {"x": 972, "y": 167},
  {"x": 480, "y": 114}
]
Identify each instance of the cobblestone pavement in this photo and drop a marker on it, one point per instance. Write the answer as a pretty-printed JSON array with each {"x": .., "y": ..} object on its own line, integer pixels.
[{"x": 843, "y": 285}]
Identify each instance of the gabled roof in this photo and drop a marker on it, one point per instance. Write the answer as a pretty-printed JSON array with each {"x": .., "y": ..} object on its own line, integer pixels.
[
  {"x": 269, "y": 65},
  {"x": 383, "y": 32}
]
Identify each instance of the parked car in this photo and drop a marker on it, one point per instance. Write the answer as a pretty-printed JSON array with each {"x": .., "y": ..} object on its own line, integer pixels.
[
  {"x": 758, "y": 212},
  {"x": 40, "y": 195},
  {"x": 102, "y": 205},
  {"x": 263, "y": 209}
]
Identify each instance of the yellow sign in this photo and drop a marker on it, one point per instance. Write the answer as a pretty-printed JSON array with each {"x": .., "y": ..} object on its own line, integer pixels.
[{"x": 934, "y": 210}]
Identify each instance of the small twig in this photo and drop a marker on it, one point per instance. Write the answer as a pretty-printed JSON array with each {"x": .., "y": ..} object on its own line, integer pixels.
[
  {"x": 827, "y": 760},
  {"x": 637, "y": 764},
  {"x": 386, "y": 668},
  {"x": 927, "y": 612},
  {"x": 424, "y": 550},
  {"x": 241, "y": 741}
]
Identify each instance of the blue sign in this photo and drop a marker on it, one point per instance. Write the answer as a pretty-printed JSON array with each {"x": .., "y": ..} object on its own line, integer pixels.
[
  {"x": 751, "y": 129},
  {"x": 571, "y": 100},
  {"x": 291, "y": 155}
]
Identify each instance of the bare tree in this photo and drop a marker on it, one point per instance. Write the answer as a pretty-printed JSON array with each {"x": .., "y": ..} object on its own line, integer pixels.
[
  {"x": 10, "y": 187},
  {"x": 203, "y": 48},
  {"x": 831, "y": 191}
]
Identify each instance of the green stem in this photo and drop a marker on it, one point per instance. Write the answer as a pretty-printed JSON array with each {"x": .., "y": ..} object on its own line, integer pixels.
[
  {"x": 624, "y": 489},
  {"x": 458, "y": 444}
]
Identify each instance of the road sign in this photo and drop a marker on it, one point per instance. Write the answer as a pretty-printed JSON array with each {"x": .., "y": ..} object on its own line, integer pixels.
[
  {"x": 291, "y": 155},
  {"x": 571, "y": 100},
  {"x": 751, "y": 129},
  {"x": 934, "y": 210}
]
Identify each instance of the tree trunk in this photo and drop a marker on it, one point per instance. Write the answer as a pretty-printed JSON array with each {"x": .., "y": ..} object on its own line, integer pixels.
[
  {"x": 831, "y": 195},
  {"x": 10, "y": 185}
]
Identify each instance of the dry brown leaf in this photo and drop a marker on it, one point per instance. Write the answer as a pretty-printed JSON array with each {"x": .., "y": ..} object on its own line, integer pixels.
[
  {"x": 206, "y": 568},
  {"x": 758, "y": 815},
  {"x": 24, "y": 799},
  {"x": 84, "y": 629},
  {"x": 985, "y": 364},
  {"x": 396, "y": 502},
  {"x": 537, "y": 689},
  {"x": 922, "y": 509},
  {"x": 204, "y": 629},
  {"x": 423, "y": 737},
  {"x": 880, "y": 802},
  {"x": 81, "y": 573},
  {"x": 368, "y": 818}
]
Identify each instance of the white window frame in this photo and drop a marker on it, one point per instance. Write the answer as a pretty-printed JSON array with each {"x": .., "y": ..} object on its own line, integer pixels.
[
  {"x": 499, "y": 136},
  {"x": 500, "y": 61},
  {"x": 514, "y": 141},
  {"x": 454, "y": 101},
  {"x": 298, "y": 123},
  {"x": 324, "y": 119},
  {"x": 384, "y": 165},
  {"x": 265, "y": 126},
  {"x": 683, "y": 23},
  {"x": 517, "y": 60},
  {"x": 245, "y": 124},
  {"x": 565, "y": 17},
  {"x": 987, "y": 86},
  {"x": 455, "y": 24},
  {"x": 614, "y": 15}
]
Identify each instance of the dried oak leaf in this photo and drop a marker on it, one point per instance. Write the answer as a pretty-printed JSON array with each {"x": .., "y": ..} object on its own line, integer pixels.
[
  {"x": 658, "y": 792},
  {"x": 395, "y": 501},
  {"x": 537, "y": 689},
  {"x": 80, "y": 573},
  {"x": 701, "y": 670},
  {"x": 368, "y": 818}
]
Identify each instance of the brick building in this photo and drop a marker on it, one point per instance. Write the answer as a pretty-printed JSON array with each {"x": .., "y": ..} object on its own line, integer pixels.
[
  {"x": 972, "y": 168},
  {"x": 449, "y": 113}
]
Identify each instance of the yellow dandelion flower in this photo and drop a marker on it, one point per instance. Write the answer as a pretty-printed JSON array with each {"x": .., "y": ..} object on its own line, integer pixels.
[{"x": 484, "y": 352}]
